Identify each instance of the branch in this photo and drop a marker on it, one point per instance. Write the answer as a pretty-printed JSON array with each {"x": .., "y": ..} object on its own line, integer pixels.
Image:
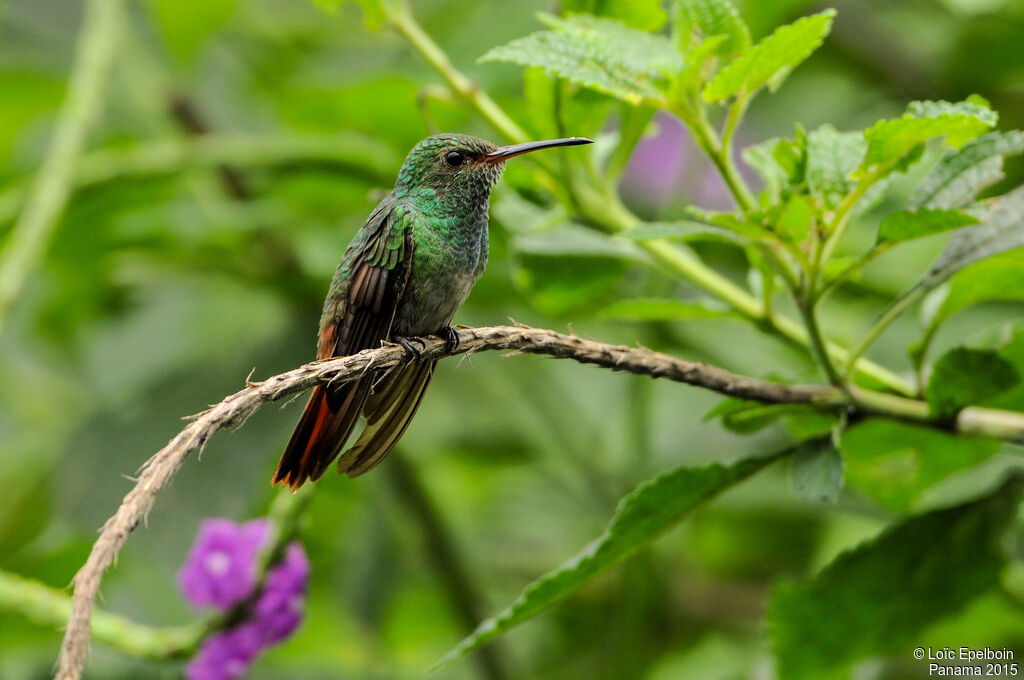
[
  {"x": 234, "y": 409},
  {"x": 605, "y": 208}
]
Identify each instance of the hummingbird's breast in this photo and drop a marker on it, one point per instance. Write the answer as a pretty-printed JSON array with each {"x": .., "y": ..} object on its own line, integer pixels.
[{"x": 449, "y": 254}]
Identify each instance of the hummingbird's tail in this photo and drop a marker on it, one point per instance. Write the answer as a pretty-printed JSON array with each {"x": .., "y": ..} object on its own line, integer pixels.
[
  {"x": 389, "y": 410},
  {"x": 326, "y": 422}
]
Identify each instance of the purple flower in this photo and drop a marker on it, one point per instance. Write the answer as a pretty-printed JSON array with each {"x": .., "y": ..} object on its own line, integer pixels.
[
  {"x": 227, "y": 654},
  {"x": 221, "y": 567},
  {"x": 279, "y": 607},
  {"x": 221, "y": 571}
]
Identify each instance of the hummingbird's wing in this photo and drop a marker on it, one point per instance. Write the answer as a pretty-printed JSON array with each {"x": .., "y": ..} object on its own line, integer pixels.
[
  {"x": 389, "y": 410},
  {"x": 358, "y": 314}
]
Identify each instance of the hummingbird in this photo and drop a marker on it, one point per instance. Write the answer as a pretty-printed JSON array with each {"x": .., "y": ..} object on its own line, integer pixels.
[{"x": 404, "y": 275}]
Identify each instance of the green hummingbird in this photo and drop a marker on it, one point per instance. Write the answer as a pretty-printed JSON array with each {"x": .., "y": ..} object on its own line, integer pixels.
[{"x": 404, "y": 275}]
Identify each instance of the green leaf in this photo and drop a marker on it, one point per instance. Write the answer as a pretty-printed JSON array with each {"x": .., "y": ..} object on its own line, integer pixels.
[
  {"x": 816, "y": 471},
  {"x": 894, "y": 462},
  {"x": 997, "y": 233},
  {"x": 743, "y": 416},
  {"x": 881, "y": 596},
  {"x": 693, "y": 19},
  {"x": 963, "y": 376},
  {"x": 831, "y": 157},
  {"x": 647, "y": 15},
  {"x": 661, "y": 309},
  {"x": 651, "y": 509},
  {"x": 770, "y": 61},
  {"x": 998, "y": 278},
  {"x": 795, "y": 221},
  {"x": 962, "y": 173},
  {"x": 600, "y": 54},
  {"x": 906, "y": 224},
  {"x": 680, "y": 231},
  {"x": 889, "y": 140}
]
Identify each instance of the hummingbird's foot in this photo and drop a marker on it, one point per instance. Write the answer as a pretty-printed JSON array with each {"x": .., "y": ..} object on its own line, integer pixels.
[
  {"x": 451, "y": 338},
  {"x": 411, "y": 350}
]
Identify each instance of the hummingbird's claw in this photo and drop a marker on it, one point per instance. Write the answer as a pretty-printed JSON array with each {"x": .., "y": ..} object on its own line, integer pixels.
[
  {"x": 411, "y": 350},
  {"x": 451, "y": 338}
]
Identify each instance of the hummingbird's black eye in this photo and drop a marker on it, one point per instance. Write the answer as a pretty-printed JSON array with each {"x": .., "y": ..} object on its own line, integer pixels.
[{"x": 454, "y": 159}]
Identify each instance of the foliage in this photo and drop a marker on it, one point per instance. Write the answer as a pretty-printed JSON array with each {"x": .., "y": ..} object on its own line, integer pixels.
[{"x": 234, "y": 149}]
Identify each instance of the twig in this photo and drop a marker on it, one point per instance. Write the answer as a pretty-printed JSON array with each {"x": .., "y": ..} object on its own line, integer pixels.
[
  {"x": 94, "y": 56},
  {"x": 159, "y": 469}
]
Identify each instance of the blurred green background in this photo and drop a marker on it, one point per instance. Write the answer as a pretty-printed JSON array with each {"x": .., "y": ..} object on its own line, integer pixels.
[{"x": 160, "y": 291}]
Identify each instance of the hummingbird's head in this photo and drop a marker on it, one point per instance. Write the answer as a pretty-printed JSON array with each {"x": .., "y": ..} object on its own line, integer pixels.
[{"x": 460, "y": 170}]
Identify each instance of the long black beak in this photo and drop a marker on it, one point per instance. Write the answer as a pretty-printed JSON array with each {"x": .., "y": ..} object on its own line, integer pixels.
[{"x": 503, "y": 153}]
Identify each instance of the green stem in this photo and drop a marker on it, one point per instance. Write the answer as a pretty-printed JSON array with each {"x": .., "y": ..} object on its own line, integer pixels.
[
  {"x": 841, "y": 219},
  {"x": 818, "y": 345},
  {"x": 48, "y": 607},
  {"x": 402, "y": 20},
  {"x": 348, "y": 152},
  {"x": 719, "y": 154},
  {"x": 860, "y": 263},
  {"x": 892, "y": 313},
  {"x": 94, "y": 56}
]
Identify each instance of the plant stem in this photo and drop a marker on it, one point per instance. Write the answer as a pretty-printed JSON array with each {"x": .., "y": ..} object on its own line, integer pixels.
[
  {"x": 841, "y": 219},
  {"x": 94, "y": 56},
  {"x": 719, "y": 153},
  {"x": 402, "y": 20},
  {"x": 50, "y": 607},
  {"x": 891, "y": 313},
  {"x": 818, "y": 345}
]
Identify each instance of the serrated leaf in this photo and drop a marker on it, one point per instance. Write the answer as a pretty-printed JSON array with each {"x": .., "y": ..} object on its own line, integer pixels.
[
  {"x": 680, "y": 231},
  {"x": 889, "y": 140},
  {"x": 771, "y": 59},
  {"x": 964, "y": 376},
  {"x": 905, "y": 224},
  {"x": 881, "y": 596},
  {"x": 816, "y": 471},
  {"x": 962, "y": 173},
  {"x": 895, "y": 462},
  {"x": 600, "y": 54},
  {"x": 998, "y": 232},
  {"x": 651, "y": 509},
  {"x": 695, "y": 19},
  {"x": 831, "y": 158},
  {"x": 647, "y": 15},
  {"x": 661, "y": 309}
]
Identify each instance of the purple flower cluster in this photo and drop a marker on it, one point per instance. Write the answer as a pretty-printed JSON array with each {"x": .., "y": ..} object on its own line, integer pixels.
[{"x": 221, "y": 571}]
